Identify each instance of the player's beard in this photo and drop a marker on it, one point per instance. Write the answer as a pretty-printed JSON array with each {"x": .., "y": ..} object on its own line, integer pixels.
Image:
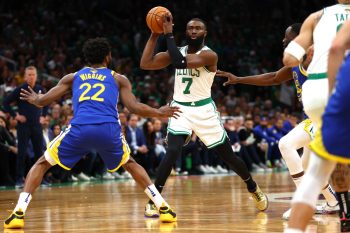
[{"x": 195, "y": 43}]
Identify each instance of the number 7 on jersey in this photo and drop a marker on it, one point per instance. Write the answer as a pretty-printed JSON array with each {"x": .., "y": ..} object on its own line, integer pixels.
[{"x": 189, "y": 81}]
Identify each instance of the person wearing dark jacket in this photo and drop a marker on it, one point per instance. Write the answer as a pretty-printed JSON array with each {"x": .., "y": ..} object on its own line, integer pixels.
[{"x": 28, "y": 117}]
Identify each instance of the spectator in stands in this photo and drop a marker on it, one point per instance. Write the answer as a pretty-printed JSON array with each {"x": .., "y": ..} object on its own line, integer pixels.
[
  {"x": 28, "y": 117},
  {"x": 7, "y": 148},
  {"x": 264, "y": 134},
  {"x": 137, "y": 142}
]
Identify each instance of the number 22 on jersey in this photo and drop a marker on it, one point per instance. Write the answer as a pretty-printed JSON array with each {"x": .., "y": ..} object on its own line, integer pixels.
[{"x": 86, "y": 96}]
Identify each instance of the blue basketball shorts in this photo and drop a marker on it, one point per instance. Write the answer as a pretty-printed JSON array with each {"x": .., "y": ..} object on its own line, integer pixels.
[{"x": 78, "y": 140}]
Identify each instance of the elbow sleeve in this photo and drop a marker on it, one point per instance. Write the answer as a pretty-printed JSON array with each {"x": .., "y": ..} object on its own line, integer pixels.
[{"x": 177, "y": 59}]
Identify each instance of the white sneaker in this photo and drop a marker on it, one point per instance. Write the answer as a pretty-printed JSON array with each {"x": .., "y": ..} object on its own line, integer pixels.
[
  {"x": 203, "y": 169},
  {"x": 126, "y": 175},
  {"x": 74, "y": 179},
  {"x": 212, "y": 170},
  {"x": 117, "y": 175},
  {"x": 184, "y": 173},
  {"x": 82, "y": 177},
  {"x": 286, "y": 214},
  {"x": 151, "y": 211},
  {"x": 327, "y": 209},
  {"x": 257, "y": 168},
  {"x": 107, "y": 176},
  {"x": 221, "y": 170}
]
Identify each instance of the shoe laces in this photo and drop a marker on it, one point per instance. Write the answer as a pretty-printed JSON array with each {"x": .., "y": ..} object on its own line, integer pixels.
[{"x": 259, "y": 196}]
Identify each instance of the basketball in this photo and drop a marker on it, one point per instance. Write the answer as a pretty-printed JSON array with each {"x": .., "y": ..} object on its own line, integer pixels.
[{"x": 154, "y": 19}]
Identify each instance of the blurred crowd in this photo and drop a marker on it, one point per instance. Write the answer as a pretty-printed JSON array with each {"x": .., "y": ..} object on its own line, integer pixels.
[{"x": 49, "y": 36}]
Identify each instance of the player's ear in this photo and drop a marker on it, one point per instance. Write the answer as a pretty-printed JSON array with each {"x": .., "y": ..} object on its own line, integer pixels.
[{"x": 205, "y": 33}]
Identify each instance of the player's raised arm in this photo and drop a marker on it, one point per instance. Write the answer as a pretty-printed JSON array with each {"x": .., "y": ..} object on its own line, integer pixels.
[
  {"x": 40, "y": 100},
  {"x": 273, "y": 78},
  {"x": 296, "y": 49},
  {"x": 337, "y": 53},
  {"x": 151, "y": 61},
  {"x": 130, "y": 101}
]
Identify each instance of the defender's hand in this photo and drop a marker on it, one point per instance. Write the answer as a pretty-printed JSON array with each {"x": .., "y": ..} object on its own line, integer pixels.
[
  {"x": 167, "y": 23},
  {"x": 231, "y": 78},
  {"x": 168, "y": 111},
  {"x": 30, "y": 96}
]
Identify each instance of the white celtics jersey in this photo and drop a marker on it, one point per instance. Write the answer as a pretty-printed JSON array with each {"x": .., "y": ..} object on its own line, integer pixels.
[
  {"x": 332, "y": 19},
  {"x": 192, "y": 84}
]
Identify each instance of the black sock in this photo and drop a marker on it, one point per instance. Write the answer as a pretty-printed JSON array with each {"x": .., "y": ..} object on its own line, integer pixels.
[
  {"x": 174, "y": 149},
  {"x": 343, "y": 200},
  {"x": 236, "y": 163},
  {"x": 251, "y": 185}
]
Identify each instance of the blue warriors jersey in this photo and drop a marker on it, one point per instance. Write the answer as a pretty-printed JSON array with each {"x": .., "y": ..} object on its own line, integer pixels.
[
  {"x": 95, "y": 96},
  {"x": 299, "y": 76}
]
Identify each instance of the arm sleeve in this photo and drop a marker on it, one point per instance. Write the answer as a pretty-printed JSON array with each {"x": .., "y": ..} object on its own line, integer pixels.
[{"x": 177, "y": 59}]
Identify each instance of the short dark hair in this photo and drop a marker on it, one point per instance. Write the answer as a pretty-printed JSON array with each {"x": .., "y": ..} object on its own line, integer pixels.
[
  {"x": 200, "y": 20},
  {"x": 95, "y": 50},
  {"x": 296, "y": 28}
]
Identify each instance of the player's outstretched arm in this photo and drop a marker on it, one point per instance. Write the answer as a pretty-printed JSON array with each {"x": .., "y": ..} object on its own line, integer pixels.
[
  {"x": 337, "y": 53},
  {"x": 151, "y": 61},
  {"x": 40, "y": 100},
  {"x": 130, "y": 101},
  {"x": 296, "y": 49},
  {"x": 267, "y": 79}
]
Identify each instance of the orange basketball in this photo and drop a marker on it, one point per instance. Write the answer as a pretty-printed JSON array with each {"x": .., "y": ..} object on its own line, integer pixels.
[{"x": 154, "y": 19}]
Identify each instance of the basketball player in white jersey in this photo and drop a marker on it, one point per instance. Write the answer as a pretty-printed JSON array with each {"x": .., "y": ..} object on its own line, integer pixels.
[
  {"x": 319, "y": 29},
  {"x": 195, "y": 65},
  {"x": 303, "y": 133}
]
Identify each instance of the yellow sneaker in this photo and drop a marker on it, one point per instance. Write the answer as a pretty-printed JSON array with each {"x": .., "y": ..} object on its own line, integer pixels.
[
  {"x": 15, "y": 220},
  {"x": 166, "y": 214},
  {"x": 151, "y": 211},
  {"x": 260, "y": 199}
]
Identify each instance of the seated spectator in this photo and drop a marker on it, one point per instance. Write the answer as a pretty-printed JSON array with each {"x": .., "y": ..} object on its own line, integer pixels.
[
  {"x": 264, "y": 135},
  {"x": 247, "y": 140},
  {"x": 7, "y": 148},
  {"x": 137, "y": 142}
]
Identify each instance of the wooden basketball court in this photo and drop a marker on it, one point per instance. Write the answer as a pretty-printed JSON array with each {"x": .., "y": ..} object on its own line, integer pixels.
[{"x": 202, "y": 203}]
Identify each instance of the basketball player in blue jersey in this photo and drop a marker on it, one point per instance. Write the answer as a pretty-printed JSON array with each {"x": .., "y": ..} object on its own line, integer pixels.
[
  {"x": 95, "y": 126},
  {"x": 195, "y": 65},
  {"x": 320, "y": 28},
  {"x": 303, "y": 133}
]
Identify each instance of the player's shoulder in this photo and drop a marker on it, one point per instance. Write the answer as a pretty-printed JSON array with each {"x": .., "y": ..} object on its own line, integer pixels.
[
  {"x": 117, "y": 75},
  {"x": 208, "y": 52}
]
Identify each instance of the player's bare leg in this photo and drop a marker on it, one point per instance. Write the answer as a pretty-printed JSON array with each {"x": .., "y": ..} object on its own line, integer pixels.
[
  {"x": 32, "y": 182},
  {"x": 141, "y": 177},
  {"x": 340, "y": 179}
]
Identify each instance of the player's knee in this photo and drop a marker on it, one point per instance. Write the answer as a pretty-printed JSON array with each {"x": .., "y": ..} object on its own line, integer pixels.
[
  {"x": 284, "y": 144},
  {"x": 42, "y": 163},
  {"x": 173, "y": 150}
]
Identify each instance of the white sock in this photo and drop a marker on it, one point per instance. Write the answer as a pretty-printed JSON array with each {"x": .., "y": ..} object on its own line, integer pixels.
[
  {"x": 297, "y": 181},
  {"x": 292, "y": 230},
  {"x": 23, "y": 202},
  {"x": 155, "y": 196},
  {"x": 328, "y": 193}
]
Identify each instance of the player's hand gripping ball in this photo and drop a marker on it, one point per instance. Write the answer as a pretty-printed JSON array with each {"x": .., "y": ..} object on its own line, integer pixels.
[{"x": 154, "y": 19}]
